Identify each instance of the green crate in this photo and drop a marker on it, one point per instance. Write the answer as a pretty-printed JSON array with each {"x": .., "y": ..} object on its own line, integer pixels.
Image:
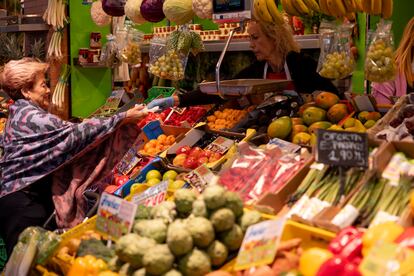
[{"x": 156, "y": 91}]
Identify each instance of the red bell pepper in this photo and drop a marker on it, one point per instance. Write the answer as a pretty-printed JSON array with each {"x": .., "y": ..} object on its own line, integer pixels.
[
  {"x": 339, "y": 267},
  {"x": 353, "y": 249},
  {"x": 406, "y": 239},
  {"x": 345, "y": 236}
]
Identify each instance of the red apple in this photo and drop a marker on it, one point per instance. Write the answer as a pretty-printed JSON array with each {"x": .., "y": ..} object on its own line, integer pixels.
[
  {"x": 120, "y": 179},
  {"x": 206, "y": 153},
  {"x": 202, "y": 160},
  {"x": 195, "y": 152},
  {"x": 214, "y": 157},
  {"x": 179, "y": 160},
  {"x": 190, "y": 163},
  {"x": 183, "y": 150}
]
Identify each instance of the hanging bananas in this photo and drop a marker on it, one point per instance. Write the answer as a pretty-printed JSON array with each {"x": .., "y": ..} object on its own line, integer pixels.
[
  {"x": 337, "y": 8},
  {"x": 266, "y": 11}
]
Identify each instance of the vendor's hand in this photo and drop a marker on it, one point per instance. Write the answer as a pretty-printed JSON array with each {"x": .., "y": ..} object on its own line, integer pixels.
[
  {"x": 136, "y": 113},
  {"x": 163, "y": 103}
]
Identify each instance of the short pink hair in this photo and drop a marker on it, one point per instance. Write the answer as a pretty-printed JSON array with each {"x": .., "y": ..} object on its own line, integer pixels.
[{"x": 20, "y": 74}]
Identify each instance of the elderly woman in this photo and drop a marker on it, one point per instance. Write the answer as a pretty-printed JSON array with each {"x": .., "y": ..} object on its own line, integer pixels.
[
  {"x": 404, "y": 80},
  {"x": 278, "y": 57},
  {"x": 47, "y": 158}
]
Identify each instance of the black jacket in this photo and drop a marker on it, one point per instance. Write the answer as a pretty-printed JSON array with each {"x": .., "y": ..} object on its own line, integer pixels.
[{"x": 302, "y": 70}]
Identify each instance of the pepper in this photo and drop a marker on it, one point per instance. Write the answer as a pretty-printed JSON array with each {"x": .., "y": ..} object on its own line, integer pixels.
[
  {"x": 406, "y": 239},
  {"x": 338, "y": 266},
  {"x": 345, "y": 236},
  {"x": 387, "y": 232},
  {"x": 87, "y": 266},
  {"x": 353, "y": 249}
]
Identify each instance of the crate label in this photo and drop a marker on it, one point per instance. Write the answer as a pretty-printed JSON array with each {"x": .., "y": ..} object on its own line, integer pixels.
[
  {"x": 399, "y": 165},
  {"x": 179, "y": 110},
  {"x": 284, "y": 145},
  {"x": 115, "y": 216},
  {"x": 260, "y": 244},
  {"x": 153, "y": 195},
  {"x": 128, "y": 162},
  {"x": 339, "y": 148},
  {"x": 220, "y": 145},
  {"x": 200, "y": 177}
]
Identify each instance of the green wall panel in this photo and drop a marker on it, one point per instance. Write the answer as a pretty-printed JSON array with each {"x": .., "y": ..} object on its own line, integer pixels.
[
  {"x": 89, "y": 86},
  {"x": 403, "y": 12}
]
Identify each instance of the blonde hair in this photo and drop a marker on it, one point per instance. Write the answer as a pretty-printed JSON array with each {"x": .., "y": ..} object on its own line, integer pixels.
[
  {"x": 20, "y": 74},
  {"x": 404, "y": 54}
]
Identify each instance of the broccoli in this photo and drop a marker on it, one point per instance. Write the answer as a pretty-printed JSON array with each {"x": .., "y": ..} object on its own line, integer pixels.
[
  {"x": 165, "y": 211},
  {"x": 179, "y": 239},
  {"x": 184, "y": 199},
  {"x": 214, "y": 196},
  {"x": 195, "y": 263},
  {"x": 222, "y": 219},
  {"x": 95, "y": 248},
  {"x": 143, "y": 212},
  {"x": 201, "y": 230},
  {"x": 249, "y": 218},
  {"x": 218, "y": 253},
  {"x": 158, "y": 260},
  {"x": 234, "y": 203},
  {"x": 199, "y": 208},
  {"x": 115, "y": 264},
  {"x": 154, "y": 229},
  {"x": 173, "y": 272},
  {"x": 232, "y": 238},
  {"x": 131, "y": 248}
]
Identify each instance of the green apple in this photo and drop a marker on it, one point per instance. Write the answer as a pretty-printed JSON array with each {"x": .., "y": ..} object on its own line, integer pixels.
[
  {"x": 153, "y": 174},
  {"x": 153, "y": 181},
  {"x": 171, "y": 174},
  {"x": 175, "y": 185}
]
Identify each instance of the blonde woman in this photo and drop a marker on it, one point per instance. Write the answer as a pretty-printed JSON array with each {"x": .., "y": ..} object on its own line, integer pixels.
[
  {"x": 278, "y": 57},
  {"x": 404, "y": 80}
]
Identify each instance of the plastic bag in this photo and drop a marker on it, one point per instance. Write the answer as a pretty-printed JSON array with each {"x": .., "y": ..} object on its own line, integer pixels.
[
  {"x": 166, "y": 63},
  {"x": 131, "y": 52},
  {"x": 380, "y": 63},
  {"x": 336, "y": 60},
  {"x": 110, "y": 54}
]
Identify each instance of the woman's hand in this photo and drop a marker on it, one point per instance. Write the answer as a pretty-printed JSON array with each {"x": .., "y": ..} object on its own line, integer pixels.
[
  {"x": 138, "y": 112},
  {"x": 164, "y": 103}
]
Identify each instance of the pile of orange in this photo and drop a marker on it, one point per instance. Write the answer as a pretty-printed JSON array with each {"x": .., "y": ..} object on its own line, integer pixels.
[
  {"x": 225, "y": 119},
  {"x": 156, "y": 146}
]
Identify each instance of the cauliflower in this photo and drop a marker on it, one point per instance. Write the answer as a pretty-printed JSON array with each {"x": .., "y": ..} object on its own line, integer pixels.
[
  {"x": 201, "y": 230},
  {"x": 143, "y": 212},
  {"x": 195, "y": 263},
  {"x": 218, "y": 253},
  {"x": 222, "y": 219},
  {"x": 214, "y": 196},
  {"x": 99, "y": 17},
  {"x": 158, "y": 260},
  {"x": 165, "y": 211},
  {"x": 184, "y": 199},
  {"x": 232, "y": 238},
  {"x": 140, "y": 272},
  {"x": 179, "y": 239},
  {"x": 203, "y": 8},
  {"x": 132, "y": 10},
  {"x": 154, "y": 229},
  {"x": 131, "y": 247},
  {"x": 199, "y": 208},
  {"x": 234, "y": 203},
  {"x": 173, "y": 272},
  {"x": 249, "y": 218}
]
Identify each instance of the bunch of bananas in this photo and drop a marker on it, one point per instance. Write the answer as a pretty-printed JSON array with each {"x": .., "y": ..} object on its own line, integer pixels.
[
  {"x": 300, "y": 7},
  {"x": 266, "y": 11},
  {"x": 378, "y": 7}
]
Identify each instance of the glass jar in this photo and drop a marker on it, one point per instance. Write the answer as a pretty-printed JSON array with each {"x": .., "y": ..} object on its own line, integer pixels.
[{"x": 95, "y": 41}]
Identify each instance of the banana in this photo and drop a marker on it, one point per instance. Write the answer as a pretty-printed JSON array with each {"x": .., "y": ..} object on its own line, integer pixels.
[
  {"x": 376, "y": 7},
  {"x": 289, "y": 8},
  {"x": 387, "y": 7},
  {"x": 336, "y": 7},
  {"x": 366, "y": 6},
  {"x": 312, "y": 5},
  {"x": 261, "y": 11},
  {"x": 274, "y": 12},
  {"x": 358, "y": 5},
  {"x": 324, "y": 7},
  {"x": 301, "y": 7},
  {"x": 349, "y": 7},
  {"x": 351, "y": 16}
]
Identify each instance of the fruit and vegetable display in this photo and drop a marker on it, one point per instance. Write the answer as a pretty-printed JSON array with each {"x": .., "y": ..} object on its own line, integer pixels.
[
  {"x": 188, "y": 116},
  {"x": 193, "y": 157},
  {"x": 225, "y": 119},
  {"x": 155, "y": 146},
  {"x": 153, "y": 177}
]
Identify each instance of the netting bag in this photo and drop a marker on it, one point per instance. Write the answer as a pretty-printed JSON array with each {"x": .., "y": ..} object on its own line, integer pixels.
[
  {"x": 110, "y": 53},
  {"x": 379, "y": 62},
  {"x": 336, "y": 60}
]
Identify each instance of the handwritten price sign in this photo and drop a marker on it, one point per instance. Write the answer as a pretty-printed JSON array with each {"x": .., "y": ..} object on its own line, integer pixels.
[{"x": 152, "y": 196}]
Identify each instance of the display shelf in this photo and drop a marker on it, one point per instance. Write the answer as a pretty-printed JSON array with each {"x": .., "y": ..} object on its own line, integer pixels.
[
  {"x": 88, "y": 65},
  {"x": 24, "y": 28},
  {"x": 305, "y": 42}
]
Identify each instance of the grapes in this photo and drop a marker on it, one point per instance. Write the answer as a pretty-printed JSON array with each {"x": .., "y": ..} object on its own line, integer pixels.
[
  {"x": 131, "y": 53},
  {"x": 337, "y": 65},
  {"x": 168, "y": 66},
  {"x": 380, "y": 65}
]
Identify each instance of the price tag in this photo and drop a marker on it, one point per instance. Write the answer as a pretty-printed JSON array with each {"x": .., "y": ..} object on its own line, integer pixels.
[
  {"x": 260, "y": 244},
  {"x": 128, "y": 162},
  {"x": 179, "y": 110},
  {"x": 200, "y": 177},
  {"x": 152, "y": 196},
  {"x": 113, "y": 101},
  {"x": 284, "y": 145},
  {"x": 339, "y": 148},
  {"x": 220, "y": 145},
  {"x": 115, "y": 216}
]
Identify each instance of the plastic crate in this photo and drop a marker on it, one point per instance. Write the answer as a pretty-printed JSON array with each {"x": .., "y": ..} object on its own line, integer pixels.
[{"x": 156, "y": 91}]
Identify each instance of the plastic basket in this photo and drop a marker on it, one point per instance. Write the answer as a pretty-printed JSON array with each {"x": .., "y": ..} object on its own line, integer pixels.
[{"x": 156, "y": 91}]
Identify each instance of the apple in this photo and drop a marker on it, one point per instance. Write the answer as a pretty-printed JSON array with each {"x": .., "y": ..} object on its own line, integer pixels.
[
  {"x": 183, "y": 149},
  {"x": 202, "y": 160},
  {"x": 153, "y": 174},
  {"x": 195, "y": 152},
  {"x": 153, "y": 181},
  {"x": 214, "y": 157},
  {"x": 206, "y": 153},
  {"x": 134, "y": 188},
  {"x": 177, "y": 184},
  {"x": 171, "y": 174},
  {"x": 190, "y": 163},
  {"x": 120, "y": 179},
  {"x": 179, "y": 160}
]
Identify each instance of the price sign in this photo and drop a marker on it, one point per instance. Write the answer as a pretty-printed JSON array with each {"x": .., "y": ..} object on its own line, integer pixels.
[
  {"x": 220, "y": 145},
  {"x": 340, "y": 148},
  {"x": 260, "y": 244},
  {"x": 152, "y": 196},
  {"x": 200, "y": 177},
  {"x": 115, "y": 216}
]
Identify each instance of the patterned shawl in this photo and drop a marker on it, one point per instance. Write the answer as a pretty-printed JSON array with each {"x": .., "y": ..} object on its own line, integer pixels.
[{"x": 37, "y": 143}]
